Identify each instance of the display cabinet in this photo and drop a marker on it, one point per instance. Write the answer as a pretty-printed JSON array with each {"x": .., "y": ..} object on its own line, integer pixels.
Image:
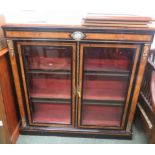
[{"x": 77, "y": 80}]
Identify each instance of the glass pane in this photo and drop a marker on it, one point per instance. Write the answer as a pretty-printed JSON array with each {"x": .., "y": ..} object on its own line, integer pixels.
[
  {"x": 49, "y": 75},
  {"x": 50, "y": 85},
  {"x": 47, "y": 57},
  {"x": 100, "y": 59},
  {"x": 52, "y": 112},
  {"x": 105, "y": 83},
  {"x": 100, "y": 87},
  {"x": 101, "y": 115}
]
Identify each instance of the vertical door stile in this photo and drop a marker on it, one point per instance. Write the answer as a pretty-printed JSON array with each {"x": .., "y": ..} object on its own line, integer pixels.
[{"x": 77, "y": 83}]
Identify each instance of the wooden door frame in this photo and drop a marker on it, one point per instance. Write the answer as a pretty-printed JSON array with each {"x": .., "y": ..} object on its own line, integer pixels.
[
  {"x": 133, "y": 71},
  {"x": 24, "y": 83}
]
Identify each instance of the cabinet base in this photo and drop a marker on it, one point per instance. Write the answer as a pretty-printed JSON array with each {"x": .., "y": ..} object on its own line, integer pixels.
[{"x": 72, "y": 132}]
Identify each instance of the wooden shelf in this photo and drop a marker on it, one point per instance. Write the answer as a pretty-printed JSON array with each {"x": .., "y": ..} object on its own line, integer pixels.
[
  {"x": 52, "y": 94},
  {"x": 107, "y": 73},
  {"x": 51, "y": 100},
  {"x": 101, "y": 115},
  {"x": 48, "y": 71},
  {"x": 103, "y": 102},
  {"x": 51, "y": 113}
]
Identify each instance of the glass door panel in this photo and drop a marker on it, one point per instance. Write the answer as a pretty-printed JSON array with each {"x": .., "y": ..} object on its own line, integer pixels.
[
  {"x": 49, "y": 70},
  {"x": 102, "y": 87},
  {"x": 99, "y": 115},
  {"x": 102, "y": 59},
  {"x": 50, "y": 85},
  {"x": 48, "y": 57},
  {"x": 48, "y": 112},
  {"x": 106, "y": 75}
]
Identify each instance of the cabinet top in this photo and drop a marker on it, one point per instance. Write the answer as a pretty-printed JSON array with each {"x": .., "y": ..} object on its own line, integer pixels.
[
  {"x": 115, "y": 29},
  {"x": 53, "y": 27}
]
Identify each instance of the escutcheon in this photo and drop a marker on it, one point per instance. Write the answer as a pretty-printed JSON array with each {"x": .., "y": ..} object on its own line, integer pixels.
[{"x": 77, "y": 35}]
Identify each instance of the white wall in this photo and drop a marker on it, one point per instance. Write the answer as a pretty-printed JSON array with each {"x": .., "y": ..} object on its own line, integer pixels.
[
  {"x": 124, "y": 6},
  {"x": 71, "y": 11}
]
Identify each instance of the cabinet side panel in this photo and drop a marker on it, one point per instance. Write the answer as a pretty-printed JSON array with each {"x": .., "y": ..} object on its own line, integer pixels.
[{"x": 139, "y": 78}]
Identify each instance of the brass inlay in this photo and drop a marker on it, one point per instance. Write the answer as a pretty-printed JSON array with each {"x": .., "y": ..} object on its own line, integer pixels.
[
  {"x": 146, "y": 51},
  {"x": 10, "y": 46}
]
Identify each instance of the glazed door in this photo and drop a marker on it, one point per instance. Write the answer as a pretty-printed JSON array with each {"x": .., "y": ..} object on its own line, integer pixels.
[
  {"x": 106, "y": 74},
  {"x": 48, "y": 71}
]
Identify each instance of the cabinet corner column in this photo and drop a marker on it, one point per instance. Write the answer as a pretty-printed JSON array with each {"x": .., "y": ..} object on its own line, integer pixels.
[
  {"x": 143, "y": 61},
  {"x": 16, "y": 81}
]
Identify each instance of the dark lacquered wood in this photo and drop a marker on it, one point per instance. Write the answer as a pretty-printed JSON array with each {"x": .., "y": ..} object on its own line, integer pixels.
[
  {"x": 70, "y": 132},
  {"x": 8, "y": 106},
  {"x": 70, "y": 28}
]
